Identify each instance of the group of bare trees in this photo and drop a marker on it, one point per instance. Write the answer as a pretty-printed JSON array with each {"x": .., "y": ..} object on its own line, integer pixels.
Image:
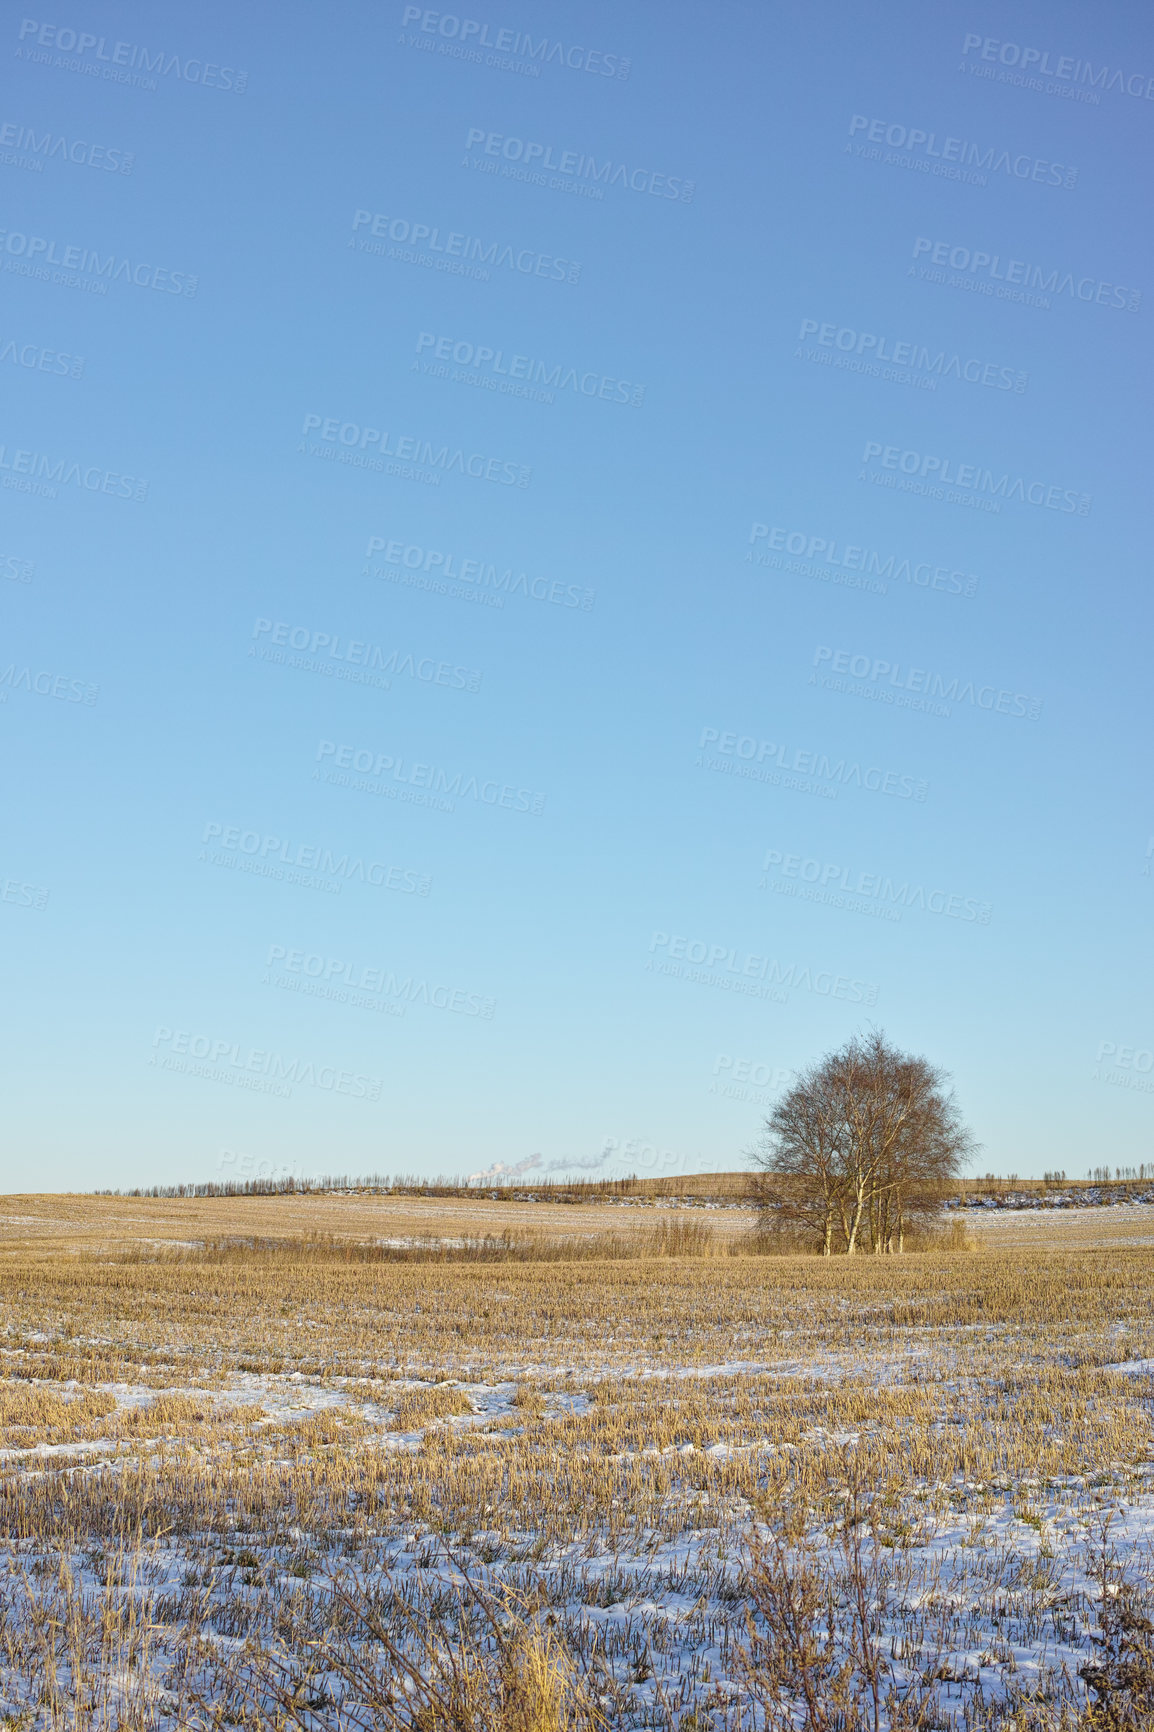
[{"x": 857, "y": 1153}]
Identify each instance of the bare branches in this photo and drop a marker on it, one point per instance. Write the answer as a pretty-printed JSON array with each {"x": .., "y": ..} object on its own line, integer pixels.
[{"x": 859, "y": 1148}]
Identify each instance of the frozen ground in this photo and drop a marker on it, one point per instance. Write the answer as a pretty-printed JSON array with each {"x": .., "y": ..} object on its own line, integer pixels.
[
  {"x": 982, "y": 1590},
  {"x": 1066, "y": 1224},
  {"x": 221, "y": 1480}
]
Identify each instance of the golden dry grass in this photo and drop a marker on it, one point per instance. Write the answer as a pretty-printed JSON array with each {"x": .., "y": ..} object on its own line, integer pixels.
[
  {"x": 55, "y": 1224},
  {"x": 597, "y": 1438}
]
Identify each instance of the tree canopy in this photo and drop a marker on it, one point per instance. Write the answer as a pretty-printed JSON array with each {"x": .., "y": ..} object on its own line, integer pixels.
[{"x": 860, "y": 1148}]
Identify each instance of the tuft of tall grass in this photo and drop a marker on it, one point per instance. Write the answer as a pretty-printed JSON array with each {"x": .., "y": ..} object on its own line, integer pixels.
[
  {"x": 671, "y": 1238},
  {"x": 471, "y": 1662}
]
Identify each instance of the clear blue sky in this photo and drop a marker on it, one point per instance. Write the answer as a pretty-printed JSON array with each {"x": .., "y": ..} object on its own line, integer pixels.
[{"x": 782, "y": 374}]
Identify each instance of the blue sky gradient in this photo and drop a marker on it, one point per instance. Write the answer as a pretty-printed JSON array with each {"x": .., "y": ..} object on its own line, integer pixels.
[{"x": 540, "y": 596}]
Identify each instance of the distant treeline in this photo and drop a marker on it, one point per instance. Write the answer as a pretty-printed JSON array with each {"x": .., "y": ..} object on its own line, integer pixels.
[
  {"x": 283, "y": 1187},
  {"x": 378, "y": 1184},
  {"x": 733, "y": 1188}
]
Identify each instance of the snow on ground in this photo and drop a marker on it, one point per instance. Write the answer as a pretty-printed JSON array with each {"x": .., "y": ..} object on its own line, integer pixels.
[
  {"x": 991, "y": 1587},
  {"x": 1063, "y": 1225},
  {"x": 611, "y": 1445}
]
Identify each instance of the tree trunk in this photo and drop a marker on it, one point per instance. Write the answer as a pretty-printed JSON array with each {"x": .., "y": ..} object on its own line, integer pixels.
[{"x": 855, "y": 1225}]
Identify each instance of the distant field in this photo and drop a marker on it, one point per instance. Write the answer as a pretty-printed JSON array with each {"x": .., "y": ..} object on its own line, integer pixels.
[
  {"x": 1087, "y": 1228},
  {"x": 54, "y": 1222},
  {"x": 250, "y": 1484}
]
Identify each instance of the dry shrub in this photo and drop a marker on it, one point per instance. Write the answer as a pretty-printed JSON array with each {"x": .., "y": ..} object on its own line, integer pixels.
[
  {"x": 1120, "y": 1678},
  {"x": 538, "y": 1693},
  {"x": 471, "y": 1662},
  {"x": 814, "y": 1656}
]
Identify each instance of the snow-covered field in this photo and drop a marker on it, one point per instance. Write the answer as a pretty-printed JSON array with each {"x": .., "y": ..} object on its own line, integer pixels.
[
  {"x": 1096, "y": 1225},
  {"x": 683, "y": 1492}
]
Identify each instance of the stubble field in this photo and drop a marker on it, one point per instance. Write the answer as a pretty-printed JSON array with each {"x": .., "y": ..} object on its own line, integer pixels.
[{"x": 285, "y": 1462}]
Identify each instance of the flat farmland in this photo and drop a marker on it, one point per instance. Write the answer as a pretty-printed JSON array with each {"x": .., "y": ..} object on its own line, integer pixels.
[
  {"x": 336, "y": 1462},
  {"x": 73, "y": 1222}
]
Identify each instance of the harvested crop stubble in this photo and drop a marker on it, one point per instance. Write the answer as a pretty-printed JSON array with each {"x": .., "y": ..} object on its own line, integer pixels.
[{"x": 672, "y": 1489}]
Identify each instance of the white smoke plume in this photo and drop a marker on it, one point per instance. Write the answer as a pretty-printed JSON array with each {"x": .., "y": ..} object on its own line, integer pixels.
[
  {"x": 535, "y": 1164},
  {"x": 503, "y": 1170}
]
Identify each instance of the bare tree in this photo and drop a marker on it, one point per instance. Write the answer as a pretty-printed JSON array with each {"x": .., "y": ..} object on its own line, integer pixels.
[
  {"x": 859, "y": 1149},
  {"x": 803, "y": 1192}
]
